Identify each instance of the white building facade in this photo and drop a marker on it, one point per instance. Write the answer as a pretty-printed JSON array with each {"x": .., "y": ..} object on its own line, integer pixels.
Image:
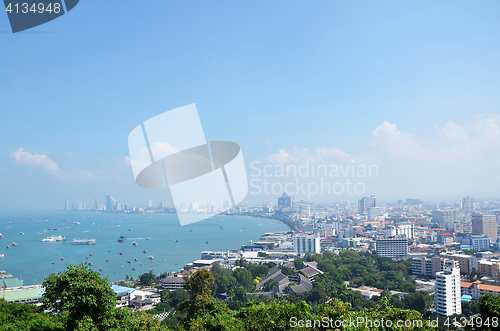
[{"x": 447, "y": 292}]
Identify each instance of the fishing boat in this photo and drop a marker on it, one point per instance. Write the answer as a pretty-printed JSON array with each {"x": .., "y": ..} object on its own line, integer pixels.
[
  {"x": 8, "y": 247},
  {"x": 129, "y": 261},
  {"x": 144, "y": 251},
  {"x": 90, "y": 254},
  {"x": 132, "y": 269},
  {"x": 1, "y": 237},
  {"x": 208, "y": 242},
  {"x": 53, "y": 263},
  {"x": 2, "y": 255},
  {"x": 177, "y": 241},
  {"x": 123, "y": 237},
  {"x": 90, "y": 264},
  {"x": 151, "y": 257},
  {"x": 121, "y": 240},
  {"x": 100, "y": 269},
  {"x": 135, "y": 259},
  {"x": 62, "y": 258},
  {"x": 121, "y": 253},
  {"x": 22, "y": 233},
  {"x": 14, "y": 244},
  {"x": 191, "y": 230},
  {"x": 130, "y": 229},
  {"x": 107, "y": 260}
]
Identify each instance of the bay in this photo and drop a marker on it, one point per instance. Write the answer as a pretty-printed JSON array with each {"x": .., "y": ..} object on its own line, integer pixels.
[{"x": 158, "y": 234}]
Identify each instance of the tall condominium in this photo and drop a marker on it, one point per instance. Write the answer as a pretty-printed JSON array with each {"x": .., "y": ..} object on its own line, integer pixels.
[
  {"x": 447, "y": 291},
  {"x": 485, "y": 224},
  {"x": 428, "y": 266},
  {"x": 374, "y": 212},
  {"x": 468, "y": 205},
  {"x": 66, "y": 204},
  {"x": 365, "y": 203},
  {"x": 285, "y": 201},
  {"x": 306, "y": 243},
  {"x": 392, "y": 247},
  {"x": 445, "y": 217},
  {"x": 406, "y": 229}
]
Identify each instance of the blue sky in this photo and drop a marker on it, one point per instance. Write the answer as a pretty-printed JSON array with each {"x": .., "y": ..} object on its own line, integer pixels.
[{"x": 290, "y": 76}]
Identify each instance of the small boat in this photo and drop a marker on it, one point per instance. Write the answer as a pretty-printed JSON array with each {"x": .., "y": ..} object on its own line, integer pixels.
[
  {"x": 147, "y": 238},
  {"x": 121, "y": 253},
  {"x": 144, "y": 251},
  {"x": 14, "y": 244},
  {"x": 62, "y": 258},
  {"x": 53, "y": 263},
  {"x": 135, "y": 259},
  {"x": 107, "y": 260},
  {"x": 151, "y": 257},
  {"x": 121, "y": 240},
  {"x": 130, "y": 229},
  {"x": 87, "y": 257},
  {"x": 208, "y": 242},
  {"x": 22, "y": 233},
  {"x": 132, "y": 269},
  {"x": 135, "y": 244},
  {"x": 100, "y": 269},
  {"x": 90, "y": 254},
  {"x": 129, "y": 261},
  {"x": 123, "y": 237},
  {"x": 177, "y": 241},
  {"x": 191, "y": 230},
  {"x": 8, "y": 247},
  {"x": 90, "y": 264}
]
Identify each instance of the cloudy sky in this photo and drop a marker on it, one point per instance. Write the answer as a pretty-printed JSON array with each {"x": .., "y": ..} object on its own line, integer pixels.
[{"x": 409, "y": 87}]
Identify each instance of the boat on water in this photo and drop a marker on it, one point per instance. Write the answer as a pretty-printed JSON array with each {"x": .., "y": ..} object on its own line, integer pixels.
[
  {"x": 22, "y": 233},
  {"x": 50, "y": 239},
  {"x": 135, "y": 244},
  {"x": 132, "y": 269},
  {"x": 191, "y": 230},
  {"x": 2, "y": 254},
  {"x": 129, "y": 261},
  {"x": 8, "y": 247},
  {"x": 208, "y": 242},
  {"x": 76, "y": 223},
  {"x": 151, "y": 257},
  {"x": 62, "y": 258},
  {"x": 53, "y": 263},
  {"x": 81, "y": 241},
  {"x": 130, "y": 229},
  {"x": 121, "y": 253},
  {"x": 123, "y": 237},
  {"x": 107, "y": 260},
  {"x": 100, "y": 269},
  {"x": 135, "y": 259},
  {"x": 14, "y": 244},
  {"x": 177, "y": 241},
  {"x": 90, "y": 264},
  {"x": 90, "y": 254},
  {"x": 120, "y": 240},
  {"x": 144, "y": 251},
  {"x": 1, "y": 237},
  {"x": 54, "y": 229}
]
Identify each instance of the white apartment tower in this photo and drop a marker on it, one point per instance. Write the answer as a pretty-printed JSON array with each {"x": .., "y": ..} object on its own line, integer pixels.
[
  {"x": 306, "y": 243},
  {"x": 447, "y": 290}
]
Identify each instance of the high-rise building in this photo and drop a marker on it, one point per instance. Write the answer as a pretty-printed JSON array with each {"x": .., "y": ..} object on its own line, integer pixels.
[
  {"x": 285, "y": 201},
  {"x": 83, "y": 206},
  {"x": 445, "y": 217},
  {"x": 374, "y": 212},
  {"x": 447, "y": 297},
  {"x": 401, "y": 229},
  {"x": 392, "y": 247},
  {"x": 366, "y": 202},
  {"x": 468, "y": 205},
  {"x": 66, "y": 204},
  {"x": 225, "y": 205},
  {"x": 150, "y": 205},
  {"x": 428, "y": 266},
  {"x": 96, "y": 205},
  {"x": 480, "y": 242},
  {"x": 491, "y": 271},
  {"x": 195, "y": 206},
  {"x": 485, "y": 224},
  {"x": 465, "y": 262},
  {"x": 306, "y": 243}
]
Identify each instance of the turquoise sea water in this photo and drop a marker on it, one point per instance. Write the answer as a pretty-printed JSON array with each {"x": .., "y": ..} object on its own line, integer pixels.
[{"x": 32, "y": 259}]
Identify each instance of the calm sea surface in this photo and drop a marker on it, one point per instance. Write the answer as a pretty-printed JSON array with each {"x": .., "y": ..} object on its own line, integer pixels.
[{"x": 32, "y": 259}]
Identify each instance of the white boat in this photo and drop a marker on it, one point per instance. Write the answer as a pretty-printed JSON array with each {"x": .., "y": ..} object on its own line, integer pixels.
[
  {"x": 1, "y": 236},
  {"x": 53, "y": 239},
  {"x": 151, "y": 257}
]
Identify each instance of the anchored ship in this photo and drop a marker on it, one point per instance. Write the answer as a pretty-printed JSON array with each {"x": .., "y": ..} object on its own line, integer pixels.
[
  {"x": 80, "y": 241},
  {"x": 53, "y": 239}
]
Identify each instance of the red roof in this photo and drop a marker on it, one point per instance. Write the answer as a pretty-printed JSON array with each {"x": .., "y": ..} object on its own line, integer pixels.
[{"x": 445, "y": 234}]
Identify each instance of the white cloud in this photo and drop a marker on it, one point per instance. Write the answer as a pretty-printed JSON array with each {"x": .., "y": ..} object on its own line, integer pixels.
[
  {"x": 26, "y": 158},
  {"x": 282, "y": 157},
  {"x": 397, "y": 144}
]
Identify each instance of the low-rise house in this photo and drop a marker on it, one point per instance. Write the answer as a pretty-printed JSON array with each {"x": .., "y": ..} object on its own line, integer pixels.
[{"x": 172, "y": 283}]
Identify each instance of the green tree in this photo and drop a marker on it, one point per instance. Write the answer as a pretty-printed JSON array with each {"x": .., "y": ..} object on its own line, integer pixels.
[
  {"x": 83, "y": 294},
  {"x": 269, "y": 285},
  {"x": 489, "y": 308},
  {"x": 147, "y": 278}
]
